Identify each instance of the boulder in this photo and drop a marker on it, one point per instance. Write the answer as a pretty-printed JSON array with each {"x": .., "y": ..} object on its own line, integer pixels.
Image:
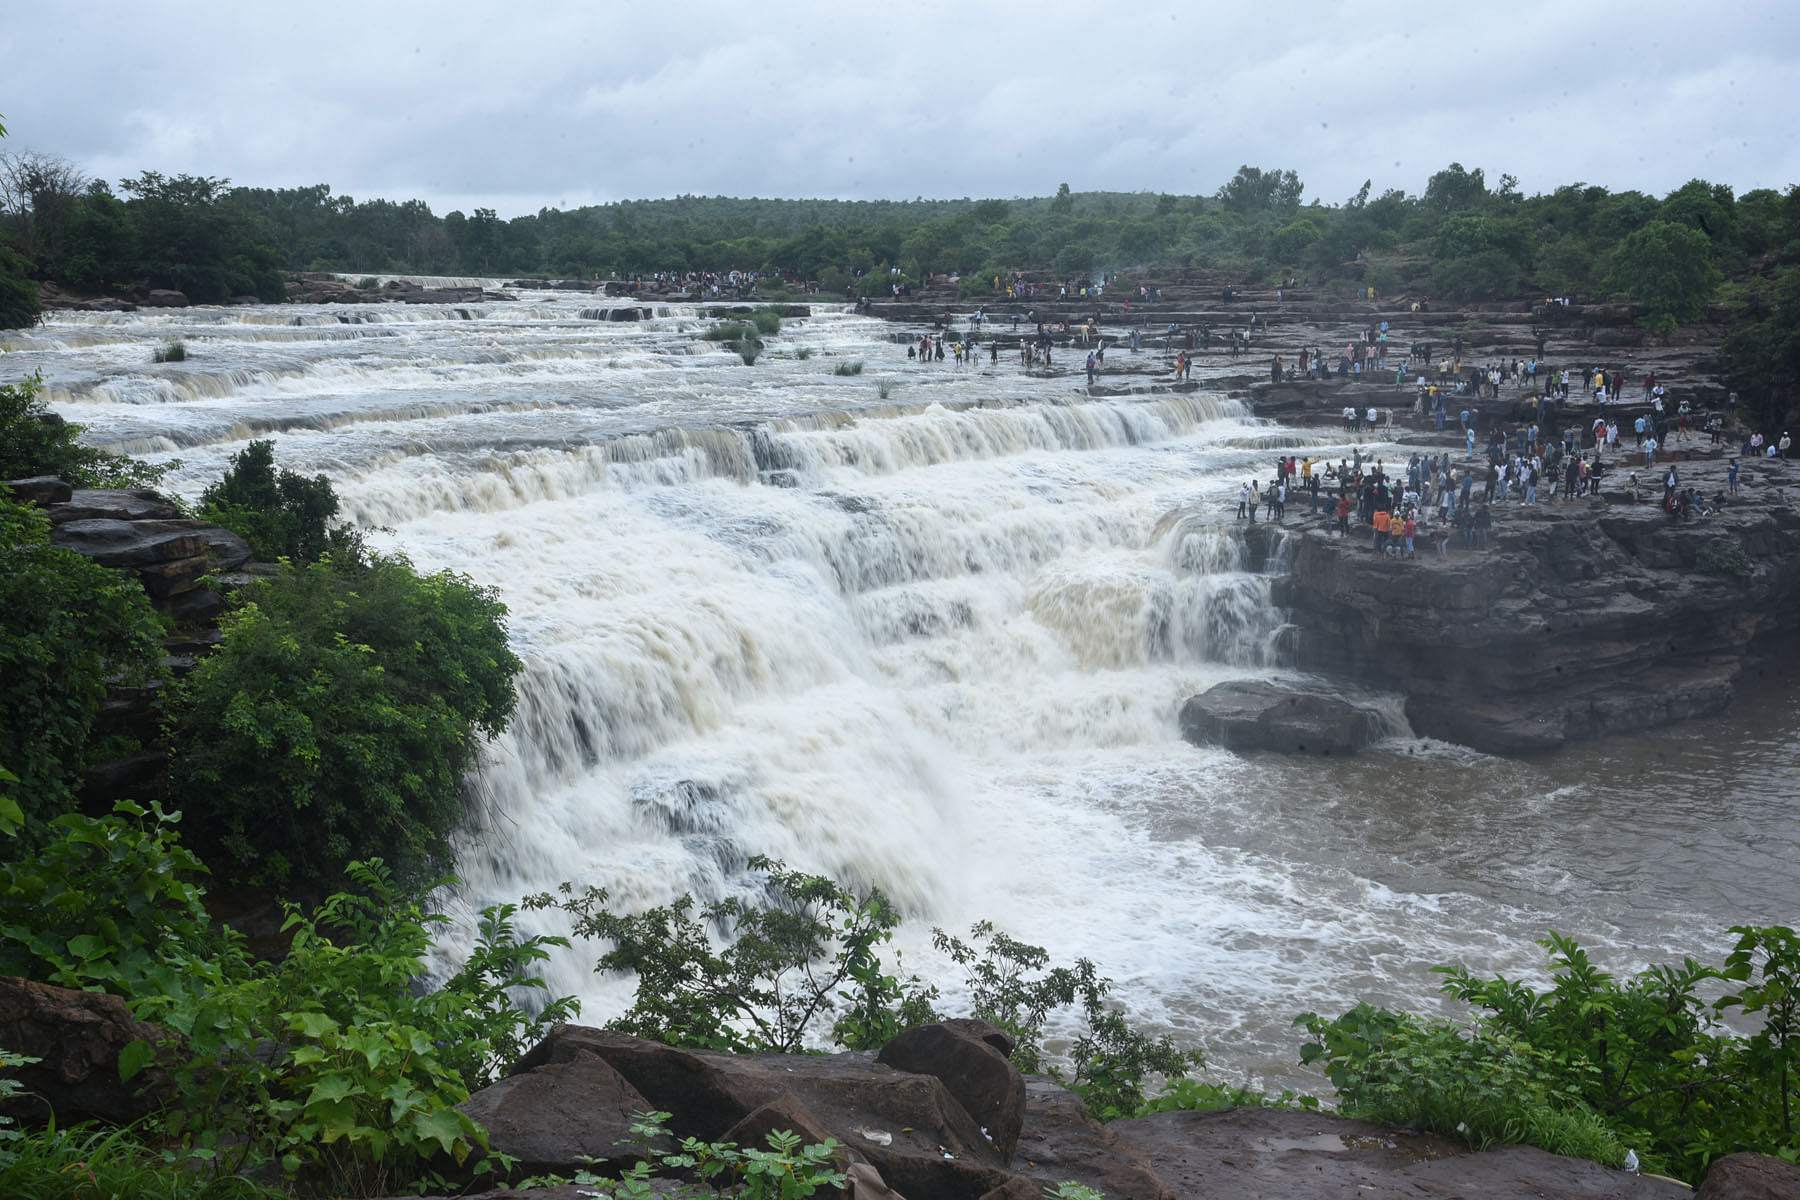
[
  {"x": 562, "y": 1116},
  {"x": 785, "y": 1114},
  {"x": 166, "y": 298},
  {"x": 117, "y": 504},
  {"x": 78, "y": 1036},
  {"x": 908, "y": 1126},
  {"x": 116, "y": 543},
  {"x": 1256, "y": 715},
  {"x": 1750, "y": 1177},
  {"x": 980, "y": 1077},
  {"x": 1061, "y": 1142},
  {"x": 42, "y": 490}
]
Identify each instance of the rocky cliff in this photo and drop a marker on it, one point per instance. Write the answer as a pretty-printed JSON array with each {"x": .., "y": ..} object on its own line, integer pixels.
[{"x": 1578, "y": 619}]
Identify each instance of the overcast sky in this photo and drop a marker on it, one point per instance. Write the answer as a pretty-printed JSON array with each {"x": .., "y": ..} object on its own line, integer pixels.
[{"x": 525, "y": 104}]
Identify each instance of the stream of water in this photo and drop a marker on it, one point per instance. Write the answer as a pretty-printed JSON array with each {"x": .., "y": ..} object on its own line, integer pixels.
[{"x": 927, "y": 629}]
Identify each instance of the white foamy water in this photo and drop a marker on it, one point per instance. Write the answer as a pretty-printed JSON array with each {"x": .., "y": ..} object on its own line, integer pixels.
[{"x": 932, "y": 641}]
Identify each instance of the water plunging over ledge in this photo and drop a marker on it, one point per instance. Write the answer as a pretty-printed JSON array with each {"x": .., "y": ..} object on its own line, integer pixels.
[{"x": 928, "y": 630}]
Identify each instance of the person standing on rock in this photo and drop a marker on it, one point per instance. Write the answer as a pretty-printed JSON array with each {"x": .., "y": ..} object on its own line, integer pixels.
[
  {"x": 1255, "y": 500},
  {"x": 1243, "y": 500},
  {"x": 1650, "y": 447},
  {"x": 1343, "y": 514},
  {"x": 1731, "y": 477},
  {"x": 1785, "y": 443}
]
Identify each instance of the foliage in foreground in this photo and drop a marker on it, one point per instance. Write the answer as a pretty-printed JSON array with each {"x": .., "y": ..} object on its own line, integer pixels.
[
  {"x": 787, "y": 1170},
  {"x": 337, "y": 718},
  {"x": 1593, "y": 1066},
  {"x": 35, "y": 441},
  {"x": 809, "y": 950},
  {"x": 333, "y": 1066},
  {"x": 67, "y": 626},
  {"x": 282, "y": 514}
]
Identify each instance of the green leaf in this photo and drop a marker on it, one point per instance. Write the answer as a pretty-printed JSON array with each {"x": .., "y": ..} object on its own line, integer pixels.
[
  {"x": 443, "y": 1126},
  {"x": 134, "y": 1057}
]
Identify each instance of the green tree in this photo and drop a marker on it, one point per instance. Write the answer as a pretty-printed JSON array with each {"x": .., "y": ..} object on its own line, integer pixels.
[
  {"x": 1254, "y": 190},
  {"x": 281, "y": 514},
  {"x": 1668, "y": 268},
  {"x": 337, "y": 718},
  {"x": 67, "y": 626},
  {"x": 36, "y": 441},
  {"x": 807, "y": 952}
]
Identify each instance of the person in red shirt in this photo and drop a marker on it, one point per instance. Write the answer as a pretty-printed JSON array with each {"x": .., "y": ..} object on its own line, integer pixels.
[
  {"x": 1343, "y": 515},
  {"x": 1406, "y": 532}
]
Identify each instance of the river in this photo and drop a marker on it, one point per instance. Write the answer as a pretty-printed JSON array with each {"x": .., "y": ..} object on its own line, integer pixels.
[{"x": 927, "y": 629}]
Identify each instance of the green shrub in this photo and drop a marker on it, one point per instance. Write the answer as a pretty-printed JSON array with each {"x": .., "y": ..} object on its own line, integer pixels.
[
  {"x": 803, "y": 353},
  {"x": 785, "y": 1171},
  {"x": 67, "y": 627},
  {"x": 1723, "y": 556},
  {"x": 19, "y": 305},
  {"x": 885, "y": 388},
  {"x": 35, "y": 441},
  {"x": 1014, "y": 986},
  {"x": 281, "y": 514},
  {"x": 337, "y": 718},
  {"x": 172, "y": 352},
  {"x": 728, "y": 331},
  {"x": 1462, "y": 1080},
  {"x": 1593, "y": 1064},
  {"x": 332, "y": 1064},
  {"x": 783, "y": 967},
  {"x": 848, "y": 368},
  {"x": 748, "y": 349}
]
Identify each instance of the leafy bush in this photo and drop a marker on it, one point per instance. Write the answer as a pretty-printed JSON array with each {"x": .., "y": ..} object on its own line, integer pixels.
[
  {"x": 337, "y": 719},
  {"x": 848, "y": 368},
  {"x": 333, "y": 1064},
  {"x": 1593, "y": 1065},
  {"x": 728, "y": 331},
  {"x": 809, "y": 952},
  {"x": 35, "y": 441},
  {"x": 19, "y": 306},
  {"x": 1014, "y": 986},
  {"x": 281, "y": 514},
  {"x": 67, "y": 627},
  {"x": 766, "y": 320},
  {"x": 785, "y": 1171},
  {"x": 1723, "y": 556},
  {"x": 172, "y": 352},
  {"x": 1464, "y": 1080}
]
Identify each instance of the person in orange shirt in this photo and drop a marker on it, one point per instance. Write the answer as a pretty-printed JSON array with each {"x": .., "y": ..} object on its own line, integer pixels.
[{"x": 1382, "y": 521}]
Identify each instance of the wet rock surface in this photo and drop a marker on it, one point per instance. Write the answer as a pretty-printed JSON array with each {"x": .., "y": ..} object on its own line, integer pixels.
[{"x": 1256, "y": 715}]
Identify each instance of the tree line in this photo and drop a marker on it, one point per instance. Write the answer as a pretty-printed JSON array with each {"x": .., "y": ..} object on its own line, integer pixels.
[{"x": 1462, "y": 239}]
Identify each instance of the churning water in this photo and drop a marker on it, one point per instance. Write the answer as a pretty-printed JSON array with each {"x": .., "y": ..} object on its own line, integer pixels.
[{"x": 927, "y": 629}]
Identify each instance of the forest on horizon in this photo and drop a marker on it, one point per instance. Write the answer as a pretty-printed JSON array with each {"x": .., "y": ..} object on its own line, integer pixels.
[{"x": 1700, "y": 253}]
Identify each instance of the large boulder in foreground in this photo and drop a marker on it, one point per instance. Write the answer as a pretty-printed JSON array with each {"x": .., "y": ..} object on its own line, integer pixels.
[
  {"x": 78, "y": 1037},
  {"x": 980, "y": 1077},
  {"x": 1750, "y": 1177},
  {"x": 1251, "y": 714},
  {"x": 908, "y": 1126}
]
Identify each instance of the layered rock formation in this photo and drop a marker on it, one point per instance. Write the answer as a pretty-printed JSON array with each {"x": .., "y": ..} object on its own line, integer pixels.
[
  {"x": 1578, "y": 619},
  {"x": 912, "y": 1131}
]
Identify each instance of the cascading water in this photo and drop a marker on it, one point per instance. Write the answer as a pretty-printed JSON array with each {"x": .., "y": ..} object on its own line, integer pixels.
[{"x": 921, "y": 628}]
